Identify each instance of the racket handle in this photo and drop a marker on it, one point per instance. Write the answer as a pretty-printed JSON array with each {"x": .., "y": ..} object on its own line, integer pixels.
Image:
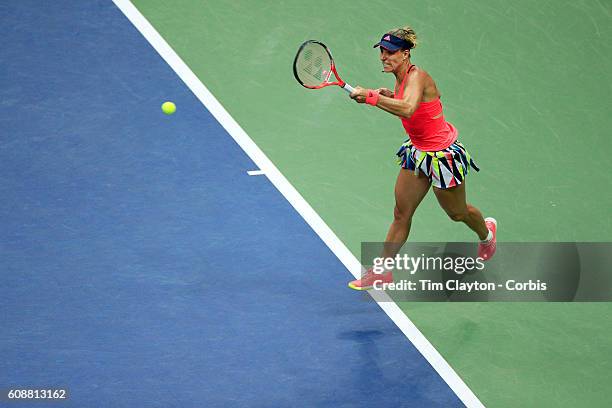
[{"x": 348, "y": 88}]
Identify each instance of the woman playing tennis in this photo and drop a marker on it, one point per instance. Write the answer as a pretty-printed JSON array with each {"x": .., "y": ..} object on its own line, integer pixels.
[{"x": 431, "y": 157}]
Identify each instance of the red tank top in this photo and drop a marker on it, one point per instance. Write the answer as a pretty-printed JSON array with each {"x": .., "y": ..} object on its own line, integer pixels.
[{"x": 427, "y": 128}]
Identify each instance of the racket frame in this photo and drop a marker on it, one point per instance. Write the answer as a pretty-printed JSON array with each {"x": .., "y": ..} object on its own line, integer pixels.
[{"x": 332, "y": 68}]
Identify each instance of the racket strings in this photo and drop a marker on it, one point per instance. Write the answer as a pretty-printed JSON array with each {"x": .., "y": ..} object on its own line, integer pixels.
[{"x": 313, "y": 65}]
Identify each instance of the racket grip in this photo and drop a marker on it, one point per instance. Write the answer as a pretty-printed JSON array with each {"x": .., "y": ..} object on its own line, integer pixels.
[{"x": 348, "y": 88}]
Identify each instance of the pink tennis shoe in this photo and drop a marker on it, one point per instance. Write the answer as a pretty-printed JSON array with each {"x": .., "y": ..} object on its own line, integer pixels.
[
  {"x": 486, "y": 250},
  {"x": 367, "y": 280}
]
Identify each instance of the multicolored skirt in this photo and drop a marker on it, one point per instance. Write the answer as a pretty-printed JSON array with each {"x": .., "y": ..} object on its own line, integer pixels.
[{"x": 445, "y": 168}]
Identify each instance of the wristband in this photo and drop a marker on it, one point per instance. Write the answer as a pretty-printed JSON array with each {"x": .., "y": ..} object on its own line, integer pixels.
[{"x": 372, "y": 98}]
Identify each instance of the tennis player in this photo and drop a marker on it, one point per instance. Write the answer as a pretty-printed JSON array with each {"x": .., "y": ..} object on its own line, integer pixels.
[{"x": 432, "y": 156}]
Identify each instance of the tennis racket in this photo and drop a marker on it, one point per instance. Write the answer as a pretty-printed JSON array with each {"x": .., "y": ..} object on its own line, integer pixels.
[{"x": 314, "y": 65}]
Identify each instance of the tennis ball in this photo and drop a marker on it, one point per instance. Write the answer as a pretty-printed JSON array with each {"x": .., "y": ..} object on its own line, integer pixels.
[{"x": 168, "y": 108}]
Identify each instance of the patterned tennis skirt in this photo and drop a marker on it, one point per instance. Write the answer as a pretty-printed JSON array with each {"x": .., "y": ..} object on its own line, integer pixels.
[{"x": 445, "y": 168}]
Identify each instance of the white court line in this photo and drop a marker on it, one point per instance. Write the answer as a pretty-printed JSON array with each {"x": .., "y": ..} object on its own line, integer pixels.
[
  {"x": 255, "y": 172},
  {"x": 296, "y": 200}
]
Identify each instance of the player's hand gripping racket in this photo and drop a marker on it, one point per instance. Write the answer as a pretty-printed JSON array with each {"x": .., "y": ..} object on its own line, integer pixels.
[{"x": 313, "y": 67}]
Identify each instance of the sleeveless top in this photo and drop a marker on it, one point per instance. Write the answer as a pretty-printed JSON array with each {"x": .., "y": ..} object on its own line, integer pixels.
[{"x": 427, "y": 128}]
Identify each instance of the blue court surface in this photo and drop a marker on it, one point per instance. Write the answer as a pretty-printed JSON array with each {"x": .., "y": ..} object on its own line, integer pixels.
[{"x": 142, "y": 266}]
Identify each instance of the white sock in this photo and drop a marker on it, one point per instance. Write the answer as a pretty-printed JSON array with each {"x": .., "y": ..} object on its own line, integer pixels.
[{"x": 489, "y": 237}]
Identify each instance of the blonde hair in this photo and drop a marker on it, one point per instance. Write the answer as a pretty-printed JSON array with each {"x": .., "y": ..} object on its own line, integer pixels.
[{"x": 405, "y": 33}]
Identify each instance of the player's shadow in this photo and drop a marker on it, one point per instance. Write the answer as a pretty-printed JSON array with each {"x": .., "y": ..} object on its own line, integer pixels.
[
  {"x": 456, "y": 251},
  {"x": 367, "y": 344},
  {"x": 560, "y": 267}
]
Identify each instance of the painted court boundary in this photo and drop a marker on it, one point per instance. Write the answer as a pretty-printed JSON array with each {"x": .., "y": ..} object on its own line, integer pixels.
[{"x": 296, "y": 200}]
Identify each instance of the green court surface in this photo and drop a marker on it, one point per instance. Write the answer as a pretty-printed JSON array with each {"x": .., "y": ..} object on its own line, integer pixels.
[{"x": 528, "y": 86}]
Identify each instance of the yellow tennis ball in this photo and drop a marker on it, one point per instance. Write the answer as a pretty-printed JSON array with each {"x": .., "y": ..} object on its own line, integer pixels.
[{"x": 168, "y": 108}]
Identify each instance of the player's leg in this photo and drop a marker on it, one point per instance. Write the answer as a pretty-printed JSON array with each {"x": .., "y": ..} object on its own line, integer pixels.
[
  {"x": 410, "y": 189},
  {"x": 453, "y": 202}
]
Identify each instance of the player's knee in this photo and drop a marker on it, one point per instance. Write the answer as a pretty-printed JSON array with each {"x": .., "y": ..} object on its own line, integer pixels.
[
  {"x": 457, "y": 216},
  {"x": 401, "y": 215}
]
